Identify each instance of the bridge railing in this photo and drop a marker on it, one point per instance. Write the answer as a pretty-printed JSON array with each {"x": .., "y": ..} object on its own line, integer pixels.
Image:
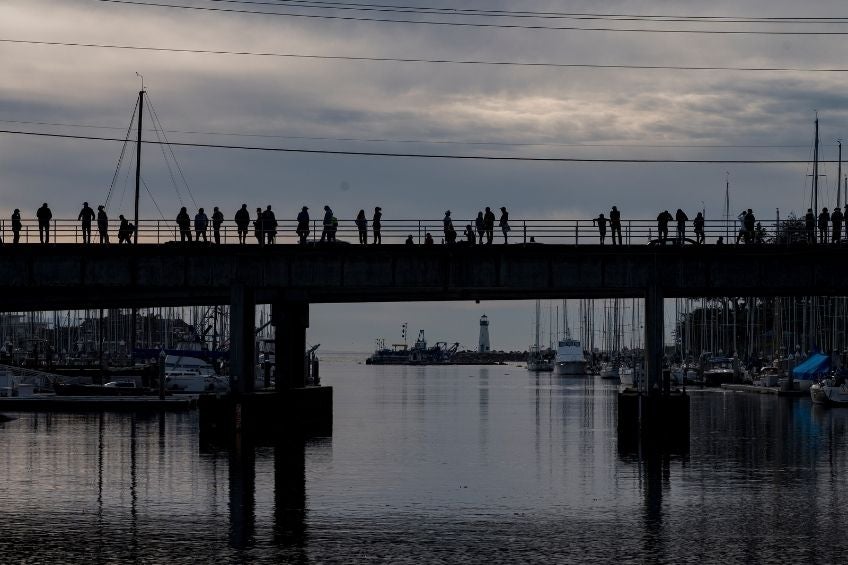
[{"x": 550, "y": 231}]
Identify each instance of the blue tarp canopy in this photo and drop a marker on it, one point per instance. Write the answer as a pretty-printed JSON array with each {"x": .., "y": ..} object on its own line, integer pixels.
[{"x": 817, "y": 364}]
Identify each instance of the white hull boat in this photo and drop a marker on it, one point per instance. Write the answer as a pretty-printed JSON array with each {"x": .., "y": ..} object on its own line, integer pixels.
[
  {"x": 569, "y": 359},
  {"x": 829, "y": 393}
]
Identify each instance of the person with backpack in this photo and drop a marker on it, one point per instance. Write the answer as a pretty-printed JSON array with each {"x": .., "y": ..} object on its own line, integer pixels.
[
  {"x": 183, "y": 223},
  {"x": 242, "y": 219},
  {"x": 123, "y": 230}
]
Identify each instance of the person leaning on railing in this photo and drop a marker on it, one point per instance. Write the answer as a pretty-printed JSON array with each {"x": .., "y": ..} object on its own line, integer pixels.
[{"x": 16, "y": 226}]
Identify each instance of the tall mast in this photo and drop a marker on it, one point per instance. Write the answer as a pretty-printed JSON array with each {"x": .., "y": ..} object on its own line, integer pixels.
[
  {"x": 138, "y": 160},
  {"x": 727, "y": 207},
  {"x": 816, "y": 169},
  {"x": 839, "y": 176}
]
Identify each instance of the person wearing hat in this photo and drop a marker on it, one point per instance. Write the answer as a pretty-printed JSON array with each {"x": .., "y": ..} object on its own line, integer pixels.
[
  {"x": 824, "y": 219},
  {"x": 103, "y": 224},
  {"x": 16, "y": 226},
  {"x": 450, "y": 233},
  {"x": 836, "y": 221},
  {"x": 327, "y": 223},
  {"x": 303, "y": 224},
  {"x": 504, "y": 223},
  {"x": 86, "y": 215},
  {"x": 376, "y": 225}
]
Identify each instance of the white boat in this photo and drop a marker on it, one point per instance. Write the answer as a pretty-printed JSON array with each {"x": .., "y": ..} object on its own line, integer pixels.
[
  {"x": 569, "y": 359},
  {"x": 630, "y": 377},
  {"x": 189, "y": 381},
  {"x": 537, "y": 362},
  {"x": 830, "y": 392}
]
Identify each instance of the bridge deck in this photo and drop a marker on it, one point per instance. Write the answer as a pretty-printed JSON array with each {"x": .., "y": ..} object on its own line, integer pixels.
[{"x": 77, "y": 276}]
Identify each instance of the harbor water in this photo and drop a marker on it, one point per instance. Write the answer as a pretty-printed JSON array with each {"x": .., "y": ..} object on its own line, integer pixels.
[{"x": 434, "y": 465}]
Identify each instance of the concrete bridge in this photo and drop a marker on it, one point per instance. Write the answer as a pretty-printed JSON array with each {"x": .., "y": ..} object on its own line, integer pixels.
[{"x": 290, "y": 277}]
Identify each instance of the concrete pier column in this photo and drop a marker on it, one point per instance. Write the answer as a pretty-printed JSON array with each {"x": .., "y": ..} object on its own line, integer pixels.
[
  {"x": 242, "y": 339},
  {"x": 654, "y": 334},
  {"x": 290, "y": 319}
]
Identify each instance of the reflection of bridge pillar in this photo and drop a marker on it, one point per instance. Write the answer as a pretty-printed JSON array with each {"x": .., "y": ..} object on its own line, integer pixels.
[
  {"x": 242, "y": 467},
  {"x": 242, "y": 339},
  {"x": 290, "y": 493},
  {"x": 654, "y": 334},
  {"x": 290, "y": 320}
]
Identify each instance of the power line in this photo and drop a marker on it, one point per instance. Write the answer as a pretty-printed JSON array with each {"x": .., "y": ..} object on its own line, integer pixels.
[
  {"x": 413, "y": 60},
  {"x": 422, "y": 155},
  {"x": 476, "y": 12},
  {"x": 434, "y": 141},
  {"x": 473, "y": 24}
]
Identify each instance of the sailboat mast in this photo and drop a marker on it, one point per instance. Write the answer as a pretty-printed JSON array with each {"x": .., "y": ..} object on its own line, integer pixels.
[
  {"x": 816, "y": 170},
  {"x": 727, "y": 207},
  {"x": 839, "y": 176},
  {"x": 138, "y": 161}
]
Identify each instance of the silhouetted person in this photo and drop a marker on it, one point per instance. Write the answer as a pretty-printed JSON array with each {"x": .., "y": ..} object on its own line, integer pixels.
[
  {"x": 824, "y": 219},
  {"x": 242, "y": 219},
  {"x": 489, "y": 225},
  {"x": 217, "y": 220},
  {"x": 447, "y": 226},
  {"x": 602, "y": 226},
  {"x": 103, "y": 224},
  {"x": 662, "y": 225},
  {"x": 377, "y": 225},
  {"x": 303, "y": 224},
  {"x": 16, "y": 226},
  {"x": 332, "y": 229},
  {"x": 504, "y": 223},
  {"x": 184, "y": 223},
  {"x": 259, "y": 227},
  {"x": 749, "y": 222},
  {"x": 681, "y": 218},
  {"x": 269, "y": 225},
  {"x": 479, "y": 224},
  {"x": 720, "y": 240},
  {"x": 44, "y": 216},
  {"x": 470, "y": 237},
  {"x": 615, "y": 224},
  {"x": 124, "y": 230},
  {"x": 86, "y": 216},
  {"x": 362, "y": 227},
  {"x": 836, "y": 221},
  {"x": 409, "y": 240},
  {"x": 327, "y": 223},
  {"x": 201, "y": 221},
  {"x": 810, "y": 225},
  {"x": 428, "y": 239},
  {"x": 698, "y": 224}
]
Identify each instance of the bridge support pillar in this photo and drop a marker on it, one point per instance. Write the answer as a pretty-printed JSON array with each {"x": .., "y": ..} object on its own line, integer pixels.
[
  {"x": 242, "y": 339},
  {"x": 291, "y": 319},
  {"x": 654, "y": 334}
]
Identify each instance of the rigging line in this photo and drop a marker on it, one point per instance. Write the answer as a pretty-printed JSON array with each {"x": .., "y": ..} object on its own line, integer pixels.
[
  {"x": 152, "y": 199},
  {"x": 126, "y": 180},
  {"x": 171, "y": 150},
  {"x": 414, "y": 60},
  {"x": 164, "y": 154},
  {"x": 121, "y": 157},
  {"x": 435, "y": 141},
  {"x": 471, "y": 12},
  {"x": 424, "y": 155},
  {"x": 471, "y": 24}
]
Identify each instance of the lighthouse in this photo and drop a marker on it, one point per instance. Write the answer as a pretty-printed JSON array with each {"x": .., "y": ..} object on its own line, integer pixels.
[{"x": 485, "y": 347}]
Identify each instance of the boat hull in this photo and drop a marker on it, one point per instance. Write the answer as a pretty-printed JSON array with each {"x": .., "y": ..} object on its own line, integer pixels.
[
  {"x": 829, "y": 395},
  {"x": 571, "y": 368}
]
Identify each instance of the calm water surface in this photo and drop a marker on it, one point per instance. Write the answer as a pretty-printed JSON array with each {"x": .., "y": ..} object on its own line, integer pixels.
[{"x": 428, "y": 465}]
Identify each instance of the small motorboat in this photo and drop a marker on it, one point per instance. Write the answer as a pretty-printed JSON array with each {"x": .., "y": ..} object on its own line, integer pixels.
[{"x": 832, "y": 391}]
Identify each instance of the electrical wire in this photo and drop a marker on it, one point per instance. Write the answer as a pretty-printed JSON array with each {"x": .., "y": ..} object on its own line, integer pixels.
[
  {"x": 433, "y": 141},
  {"x": 414, "y": 60},
  {"x": 473, "y": 24},
  {"x": 424, "y": 155}
]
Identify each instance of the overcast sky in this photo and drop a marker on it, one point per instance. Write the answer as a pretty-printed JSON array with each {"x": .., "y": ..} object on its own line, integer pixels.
[{"x": 630, "y": 113}]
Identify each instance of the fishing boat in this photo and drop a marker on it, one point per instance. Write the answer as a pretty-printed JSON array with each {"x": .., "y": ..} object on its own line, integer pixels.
[
  {"x": 419, "y": 354},
  {"x": 570, "y": 361},
  {"x": 832, "y": 391}
]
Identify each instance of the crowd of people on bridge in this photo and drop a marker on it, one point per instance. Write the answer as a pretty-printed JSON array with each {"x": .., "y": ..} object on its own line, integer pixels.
[{"x": 822, "y": 228}]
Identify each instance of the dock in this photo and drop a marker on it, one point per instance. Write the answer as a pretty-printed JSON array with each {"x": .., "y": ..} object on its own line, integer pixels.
[
  {"x": 774, "y": 390},
  {"x": 53, "y": 403}
]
